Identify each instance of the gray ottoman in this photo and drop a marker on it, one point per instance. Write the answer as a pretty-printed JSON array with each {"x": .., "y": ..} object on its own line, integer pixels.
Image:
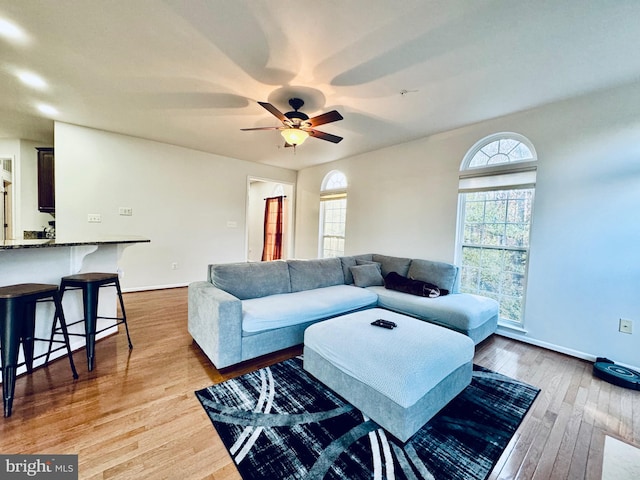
[{"x": 399, "y": 378}]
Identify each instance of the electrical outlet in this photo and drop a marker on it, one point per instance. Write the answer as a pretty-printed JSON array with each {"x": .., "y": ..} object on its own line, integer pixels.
[
  {"x": 626, "y": 326},
  {"x": 125, "y": 211},
  {"x": 174, "y": 266},
  {"x": 94, "y": 218}
]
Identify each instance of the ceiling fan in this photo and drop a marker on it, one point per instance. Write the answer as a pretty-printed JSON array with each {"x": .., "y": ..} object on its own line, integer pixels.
[{"x": 297, "y": 126}]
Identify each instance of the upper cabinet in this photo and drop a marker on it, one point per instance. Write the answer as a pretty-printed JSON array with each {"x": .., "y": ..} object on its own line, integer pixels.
[{"x": 46, "y": 180}]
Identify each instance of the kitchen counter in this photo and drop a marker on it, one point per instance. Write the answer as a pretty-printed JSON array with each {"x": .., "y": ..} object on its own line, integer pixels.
[
  {"x": 52, "y": 242},
  {"x": 48, "y": 260}
]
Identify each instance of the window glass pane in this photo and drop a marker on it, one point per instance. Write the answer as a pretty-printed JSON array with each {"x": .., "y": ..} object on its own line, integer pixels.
[
  {"x": 516, "y": 261},
  {"x": 517, "y": 235},
  {"x": 491, "y": 149},
  {"x": 502, "y": 151},
  {"x": 521, "y": 153},
  {"x": 495, "y": 240},
  {"x": 473, "y": 234},
  {"x": 507, "y": 145},
  {"x": 475, "y": 211},
  {"x": 335, "y": 181},
  {"x": 511, "y": 308},
  {"x": 495, "y": 208},
  {"x": 334, "y": 214},
  {"x": 498, "y": 158},
  {"x": 491, "y": 258},
  {"x": 490, "y": 280},
  {"x": 480, "y": 159}
]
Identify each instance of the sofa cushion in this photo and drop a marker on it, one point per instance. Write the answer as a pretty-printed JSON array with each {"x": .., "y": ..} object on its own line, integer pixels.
[
  {"x": 350, "y": 261},
  {"x": 278, "y": 311},
  {"x": 251, "y": 279},
  {"x": 367, "y": 275},
  {"x": 392, "y": 264},
  {"x": 460, "y": 311},
  {"x": 439, "y": 273},
  {"x": 309, "y": 274}
]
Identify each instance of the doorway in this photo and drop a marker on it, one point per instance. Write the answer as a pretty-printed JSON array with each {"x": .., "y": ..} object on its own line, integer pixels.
[
  {"x": 258, "y": 190},
  {"x": 7, "y": 211},
  {"x": 6, "y": 191}
]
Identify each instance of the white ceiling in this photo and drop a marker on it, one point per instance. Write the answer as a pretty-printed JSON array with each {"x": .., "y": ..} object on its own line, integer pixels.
[{"x": 189, "y": 72}]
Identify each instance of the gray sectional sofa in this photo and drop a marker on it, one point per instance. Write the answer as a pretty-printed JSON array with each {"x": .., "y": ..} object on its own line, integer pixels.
[{"x": 245, "y": 310}]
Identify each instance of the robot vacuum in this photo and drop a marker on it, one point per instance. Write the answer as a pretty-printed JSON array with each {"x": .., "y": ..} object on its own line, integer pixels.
[{"x": 616, "y": 374}]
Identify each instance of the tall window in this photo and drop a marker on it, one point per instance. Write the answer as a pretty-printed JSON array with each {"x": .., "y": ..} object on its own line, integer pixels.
[
  {"x": 333, "y": 214},
  {"x": 497, "y": 185}
]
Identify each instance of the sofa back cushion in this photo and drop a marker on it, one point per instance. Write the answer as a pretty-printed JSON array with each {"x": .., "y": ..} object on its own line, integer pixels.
[
  {"x": 308, "y": 274},
  {"x": 444, "y": 275},
  {"x": 348, "y": 262},
  {"x": 251, "y": 279},
  {"x": 392, "y": 264}
]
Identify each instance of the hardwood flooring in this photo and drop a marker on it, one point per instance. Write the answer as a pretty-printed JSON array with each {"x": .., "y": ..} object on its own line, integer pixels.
[{"x": 136, "y": 416}]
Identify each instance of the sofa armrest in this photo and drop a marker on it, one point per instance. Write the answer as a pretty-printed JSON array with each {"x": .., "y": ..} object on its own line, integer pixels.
[{"x": 215, "y": 323}]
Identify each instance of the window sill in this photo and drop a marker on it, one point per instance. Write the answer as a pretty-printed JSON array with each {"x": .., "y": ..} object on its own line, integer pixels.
[{"x": 512, "y": 327}]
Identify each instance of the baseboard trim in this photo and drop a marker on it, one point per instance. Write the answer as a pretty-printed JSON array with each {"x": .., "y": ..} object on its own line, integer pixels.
[
  {"x": 555, "y": 348},
  {"x": 154, "y": 287}
]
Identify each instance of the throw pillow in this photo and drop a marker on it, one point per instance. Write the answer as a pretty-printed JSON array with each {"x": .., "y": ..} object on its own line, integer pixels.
[
  {"x": 395, "y": 281},
  {"x": 366, "y": 275}
]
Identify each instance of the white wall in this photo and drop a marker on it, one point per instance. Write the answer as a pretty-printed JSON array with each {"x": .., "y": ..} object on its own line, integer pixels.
[
  {"x": 181, "y": 199},
  {"x": 400, "y": 201},
  {"x": 585, "y": 263}
]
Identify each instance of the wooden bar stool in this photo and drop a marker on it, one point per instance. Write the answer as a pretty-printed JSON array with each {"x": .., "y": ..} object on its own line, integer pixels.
[
  {"x": 90, "y": 284},
  {"x": 17, "y": 326}
]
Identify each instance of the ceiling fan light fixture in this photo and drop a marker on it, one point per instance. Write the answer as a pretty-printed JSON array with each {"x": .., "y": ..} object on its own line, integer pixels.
[{"x": 294, "y": 136}]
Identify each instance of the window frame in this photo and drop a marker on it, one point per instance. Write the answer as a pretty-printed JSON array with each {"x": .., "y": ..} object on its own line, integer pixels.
[
  {"x": 328, "y": 194},
  {"x": 507, "y": 176}
]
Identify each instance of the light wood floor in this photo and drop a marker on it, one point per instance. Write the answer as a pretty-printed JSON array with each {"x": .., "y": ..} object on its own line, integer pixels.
[{"x": 136, "y": 416}]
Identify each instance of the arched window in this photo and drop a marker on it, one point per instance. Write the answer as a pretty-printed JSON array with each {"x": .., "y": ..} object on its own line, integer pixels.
[
  {"x": 496, "y": 193},
  {"x": 499, "y": 149},
  {"x": 333, "y": 214}
]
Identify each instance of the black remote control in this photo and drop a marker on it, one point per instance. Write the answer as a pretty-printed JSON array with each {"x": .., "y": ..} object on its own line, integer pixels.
[
  {"x": 383, "y": 324},
  {"x": 388, "y": 322}
]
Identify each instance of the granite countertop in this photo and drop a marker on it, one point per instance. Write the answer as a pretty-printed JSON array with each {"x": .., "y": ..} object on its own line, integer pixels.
[{"x": 52, "y": 242}]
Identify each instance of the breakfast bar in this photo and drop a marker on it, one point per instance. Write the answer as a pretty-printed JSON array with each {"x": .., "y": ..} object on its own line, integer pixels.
[{"x": 46, "y": 261}]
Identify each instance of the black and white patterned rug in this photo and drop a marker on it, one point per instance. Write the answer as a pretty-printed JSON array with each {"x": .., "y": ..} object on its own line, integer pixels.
[{"x": 281, "y": 423}]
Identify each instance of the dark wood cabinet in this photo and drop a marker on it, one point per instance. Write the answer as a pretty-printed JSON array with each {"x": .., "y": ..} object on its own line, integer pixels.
[{"x": 46, "y": 180}]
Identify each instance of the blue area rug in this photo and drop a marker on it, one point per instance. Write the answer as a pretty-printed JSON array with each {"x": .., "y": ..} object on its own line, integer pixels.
[{"x": 281, "y": 423}]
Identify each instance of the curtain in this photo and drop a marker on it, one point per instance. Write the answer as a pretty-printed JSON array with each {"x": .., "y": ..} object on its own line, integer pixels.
[{"x": 272, "y": 249}]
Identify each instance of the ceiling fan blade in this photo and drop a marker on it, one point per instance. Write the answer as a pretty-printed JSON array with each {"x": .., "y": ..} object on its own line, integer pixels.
[
  {"x": 260, "y": 128},
  {"x": 324, "y": 136},
  {"x": 332, "y": 116},
  {"x": 273, "y": 111}
]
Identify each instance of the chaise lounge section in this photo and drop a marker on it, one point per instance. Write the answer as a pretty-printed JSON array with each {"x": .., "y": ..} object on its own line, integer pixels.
[{"x": 245, "y": 310}]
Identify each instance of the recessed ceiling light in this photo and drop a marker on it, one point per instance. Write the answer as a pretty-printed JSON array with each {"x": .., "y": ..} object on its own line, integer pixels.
[
  {"x": 11, "y": 31},
  {"x": 47, "y": 109},
  {"x": 33, "y": 80}
]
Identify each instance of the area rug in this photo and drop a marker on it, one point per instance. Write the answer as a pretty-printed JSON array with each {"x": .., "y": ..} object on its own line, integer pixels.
[
  {"x": 281, "y": 423},
  {"x": 621, "y": 461}
]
